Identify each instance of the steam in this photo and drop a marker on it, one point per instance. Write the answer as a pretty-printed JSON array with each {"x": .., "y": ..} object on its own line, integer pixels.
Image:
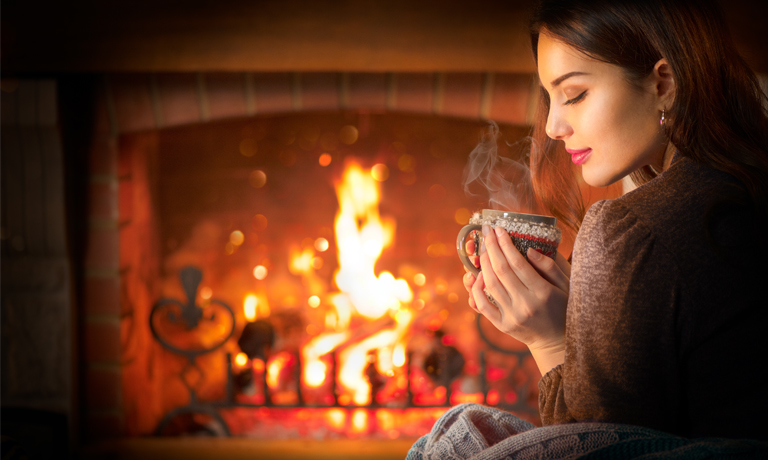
[{"x": 506, "y": 181}]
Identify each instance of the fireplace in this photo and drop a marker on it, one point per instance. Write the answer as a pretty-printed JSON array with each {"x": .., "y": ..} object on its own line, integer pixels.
[{"x": 295, "y": 276}]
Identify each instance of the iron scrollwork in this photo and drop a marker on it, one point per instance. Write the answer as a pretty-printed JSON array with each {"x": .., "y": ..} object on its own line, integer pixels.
[{"x": 190, "y": 316}]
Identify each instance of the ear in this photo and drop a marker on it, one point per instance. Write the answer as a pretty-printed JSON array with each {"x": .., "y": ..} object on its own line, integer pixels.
[{"x": 664, "y": 83}]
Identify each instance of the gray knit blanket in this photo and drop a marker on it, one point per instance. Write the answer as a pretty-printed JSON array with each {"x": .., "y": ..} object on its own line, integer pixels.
[{"x": 472, "y": 431}]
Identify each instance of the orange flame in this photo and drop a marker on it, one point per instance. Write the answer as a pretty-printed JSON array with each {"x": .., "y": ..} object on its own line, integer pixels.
[
  {"x": 361, "y": 236},
  {"x": 314, "y": 371}
]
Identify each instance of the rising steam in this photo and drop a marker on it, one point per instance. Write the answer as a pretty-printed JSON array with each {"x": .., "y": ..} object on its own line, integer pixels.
[{"x": 507, "y": 181}]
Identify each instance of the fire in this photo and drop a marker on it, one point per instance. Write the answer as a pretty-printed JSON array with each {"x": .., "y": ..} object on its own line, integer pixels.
[
  {"x": 249, "y": 307},
  {"x": 361, "y": 236},
  {"x": 314, "y": 369},
  {"x": 274, "y": 366}
]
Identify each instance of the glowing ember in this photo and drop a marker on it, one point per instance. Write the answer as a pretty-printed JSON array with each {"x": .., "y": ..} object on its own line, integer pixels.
[{"x": 275, "y": 365}]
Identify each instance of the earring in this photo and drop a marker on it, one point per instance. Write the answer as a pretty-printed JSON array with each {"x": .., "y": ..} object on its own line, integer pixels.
[{"x": 663, "y": 121}]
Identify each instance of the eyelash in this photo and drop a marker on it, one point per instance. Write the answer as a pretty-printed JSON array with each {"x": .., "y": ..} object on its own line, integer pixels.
[{"x": 576, "y": 99}]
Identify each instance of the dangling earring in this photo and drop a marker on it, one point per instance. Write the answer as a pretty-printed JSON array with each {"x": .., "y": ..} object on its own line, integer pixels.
[{"x": 663, "y": 121}]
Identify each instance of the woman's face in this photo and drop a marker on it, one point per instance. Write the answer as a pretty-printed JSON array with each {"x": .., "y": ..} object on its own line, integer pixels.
[{"x": 609, "y": 126}]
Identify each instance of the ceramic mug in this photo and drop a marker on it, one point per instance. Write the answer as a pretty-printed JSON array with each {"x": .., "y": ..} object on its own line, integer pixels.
[{"x": 525, "y": 230}]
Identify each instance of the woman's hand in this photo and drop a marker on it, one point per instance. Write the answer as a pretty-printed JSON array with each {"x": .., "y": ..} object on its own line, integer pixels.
[{"x": 532, "y": 297}]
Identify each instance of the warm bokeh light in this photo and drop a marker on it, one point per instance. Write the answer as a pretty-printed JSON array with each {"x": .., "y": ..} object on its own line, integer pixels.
[
  {"x": 250, "y": 303},
  {"x": 229, "y": 248},
  {"x": 206, "y": 292},
  {"x": 348, "y": 134},
  {"x": 359, "y": 420},
  {"x": 241, "y": 359},
  {"x": 336, "y": 418},
  {"x": 248, "y": 147},
  {"x": 406, "y": 163},
  {"x": 300, "y": 261},
  {"x": 325, "y": 159},
  {"x": 314, "y": 301},
  {"x": 259, "y": 222},
  {"x": 321, "y": 244},
  {"x": 461, "y": 216},
  {"x": 257, "y": 179},
  {"x": 419, "y": 279},
  {"x": 236, "y": 237},
  {"x": 453, "y": 297},
  {"x": 437, "y": 192},
  {"x": 260, "y": 272},
  {"x": 258, "y": 365},
  {"x": 380, "y": 172},
  {"x": 317, "y": 263}
]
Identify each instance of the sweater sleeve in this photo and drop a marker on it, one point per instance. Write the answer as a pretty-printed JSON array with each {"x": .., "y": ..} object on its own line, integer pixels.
[{"x": 620, "y": 353}]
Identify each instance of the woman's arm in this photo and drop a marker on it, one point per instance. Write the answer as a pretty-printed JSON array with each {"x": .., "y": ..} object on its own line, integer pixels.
[{"x": 622, "y": 362}]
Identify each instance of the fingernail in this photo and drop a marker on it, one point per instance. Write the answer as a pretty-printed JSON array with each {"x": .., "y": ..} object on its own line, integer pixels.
[
  {"x": 533, "y": 254},
  {"x": 482, "y": 248},
  {"x": 486, "y": 229},
  {"x": 499, "y": 231}
]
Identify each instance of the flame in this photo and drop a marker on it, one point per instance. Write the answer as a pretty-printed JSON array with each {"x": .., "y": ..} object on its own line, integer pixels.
[
  {"x": 354, "y": 359},
  {"x": 315, "y": 370},
  {"x": 361, "y": 236},
  {"x": 275, "y": 365},
  {"x": 301, "y": 261},
  {"x": 249, "y": 307}
]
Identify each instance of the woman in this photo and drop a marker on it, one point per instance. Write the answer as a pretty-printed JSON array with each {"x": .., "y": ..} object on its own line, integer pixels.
[{"x": 659, "y": 321}]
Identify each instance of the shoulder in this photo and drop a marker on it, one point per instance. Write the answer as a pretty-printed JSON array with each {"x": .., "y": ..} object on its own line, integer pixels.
[
  {"x": 676, "y": 202},
  {"x": 610, "y": 230}
]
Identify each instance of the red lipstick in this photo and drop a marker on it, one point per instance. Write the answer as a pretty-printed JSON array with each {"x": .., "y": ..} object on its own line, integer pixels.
[{"x": 579, "y": 156}]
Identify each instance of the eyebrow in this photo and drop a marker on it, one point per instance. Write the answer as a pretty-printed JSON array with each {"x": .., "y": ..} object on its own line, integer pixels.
[{"x": 561, "y": 79}]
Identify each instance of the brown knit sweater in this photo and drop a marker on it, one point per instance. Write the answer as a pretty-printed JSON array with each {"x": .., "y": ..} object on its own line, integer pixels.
[{"x": 667, "y": 320}]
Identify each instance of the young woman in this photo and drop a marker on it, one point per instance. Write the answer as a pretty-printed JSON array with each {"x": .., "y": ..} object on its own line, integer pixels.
[{"x": 660, "y": 321}]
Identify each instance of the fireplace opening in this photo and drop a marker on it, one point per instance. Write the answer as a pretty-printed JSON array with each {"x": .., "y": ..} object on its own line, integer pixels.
[{"x": 295, "y": 276}]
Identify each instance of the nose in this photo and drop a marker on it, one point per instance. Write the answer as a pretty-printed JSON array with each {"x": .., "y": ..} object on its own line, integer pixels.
[{"x": 557, "y": 127}]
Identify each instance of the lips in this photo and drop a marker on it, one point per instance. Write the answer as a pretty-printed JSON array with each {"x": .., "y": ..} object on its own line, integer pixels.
[{"x": 579, "y": 156}]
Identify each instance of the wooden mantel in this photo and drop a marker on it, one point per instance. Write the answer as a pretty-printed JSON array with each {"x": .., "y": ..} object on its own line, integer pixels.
[{"x": 47, "y": 36}]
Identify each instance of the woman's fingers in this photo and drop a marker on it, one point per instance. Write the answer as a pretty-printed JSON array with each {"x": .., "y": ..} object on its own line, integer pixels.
[
  {"x": 549, "y": 270},
  {"x": 496, "y": 287},
  {"x": 562, "y": 262},
  {"x": 483, "y": 305},
  {"x": 514, "y": 271},
  {"x": 470, "y": 249}
]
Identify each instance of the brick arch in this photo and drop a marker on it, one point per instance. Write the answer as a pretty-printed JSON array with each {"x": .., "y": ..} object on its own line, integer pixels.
[{"x": 153, "y": 101}]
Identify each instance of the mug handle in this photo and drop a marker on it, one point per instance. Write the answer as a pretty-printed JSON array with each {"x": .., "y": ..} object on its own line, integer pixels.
[{"x": 461, "y": 246}]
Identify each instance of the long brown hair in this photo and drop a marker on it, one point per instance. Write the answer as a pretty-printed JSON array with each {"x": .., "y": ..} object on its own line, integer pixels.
[{"x": 717, "y": 119}]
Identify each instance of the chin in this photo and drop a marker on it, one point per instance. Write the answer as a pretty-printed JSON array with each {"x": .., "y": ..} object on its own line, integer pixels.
[{"x": 599, "y": 178}]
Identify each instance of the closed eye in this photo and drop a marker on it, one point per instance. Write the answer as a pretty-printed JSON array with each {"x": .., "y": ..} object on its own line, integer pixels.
[{"x": 576, "y": 99}]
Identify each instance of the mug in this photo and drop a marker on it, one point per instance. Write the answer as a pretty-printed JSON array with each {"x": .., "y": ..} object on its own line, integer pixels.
[{"x": 525, "y": 230}]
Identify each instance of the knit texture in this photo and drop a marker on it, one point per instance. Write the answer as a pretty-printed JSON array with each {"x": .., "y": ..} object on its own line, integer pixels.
[{"x": 471, "y": 431}]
